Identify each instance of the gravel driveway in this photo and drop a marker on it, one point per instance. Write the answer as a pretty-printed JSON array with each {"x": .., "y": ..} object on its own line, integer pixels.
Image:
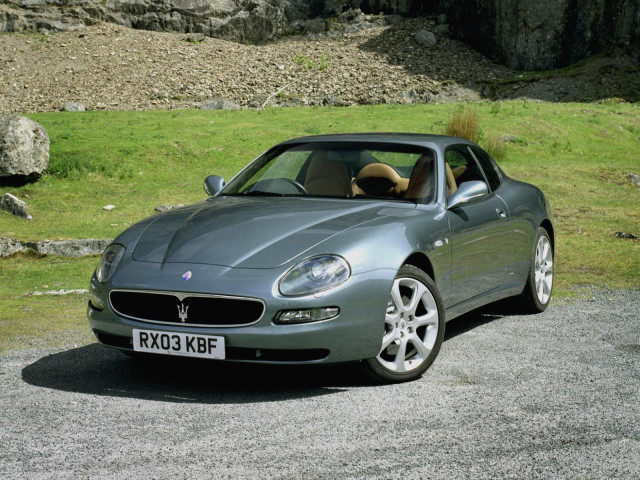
[{"x": 555, "y": 395}]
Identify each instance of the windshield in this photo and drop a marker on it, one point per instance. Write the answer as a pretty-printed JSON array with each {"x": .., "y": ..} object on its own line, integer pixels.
[{"x": 346, "y": 170}]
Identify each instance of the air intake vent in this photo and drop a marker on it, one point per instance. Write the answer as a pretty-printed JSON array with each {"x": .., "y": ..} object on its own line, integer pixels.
[{"x": 186, "y": 309}]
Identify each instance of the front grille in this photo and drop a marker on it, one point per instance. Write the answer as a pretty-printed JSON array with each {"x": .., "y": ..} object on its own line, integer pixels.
[{"x": 186, "y": 308}]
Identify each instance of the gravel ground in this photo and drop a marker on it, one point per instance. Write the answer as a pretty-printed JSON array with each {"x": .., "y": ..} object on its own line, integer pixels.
[
  {"x": 547, "y": 396},
  {"x": 110, "y": 67}
]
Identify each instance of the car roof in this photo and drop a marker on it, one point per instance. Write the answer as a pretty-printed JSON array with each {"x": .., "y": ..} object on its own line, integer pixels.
[{"x": 422, "y": 139}]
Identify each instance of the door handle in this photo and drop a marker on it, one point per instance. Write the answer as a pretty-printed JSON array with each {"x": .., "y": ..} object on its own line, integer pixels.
[{"x": 501, "y": 213}]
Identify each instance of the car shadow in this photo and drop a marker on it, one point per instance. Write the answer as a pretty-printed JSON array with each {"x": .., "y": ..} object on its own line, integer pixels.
[
  {"x": 468, "y": 322},
  {"x": 98, "y": 370}
]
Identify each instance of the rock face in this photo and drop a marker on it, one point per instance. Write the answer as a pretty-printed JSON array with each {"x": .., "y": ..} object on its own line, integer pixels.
[
  {"x": 545, "y": 34},
  {"x": 523, "y": 34},
  {"x": 24, "y": 149},
  {"x": 237, "y": 20}
]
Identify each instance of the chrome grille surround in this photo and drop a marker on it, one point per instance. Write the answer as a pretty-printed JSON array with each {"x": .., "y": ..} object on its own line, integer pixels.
[{"x": 166, "y": 308}]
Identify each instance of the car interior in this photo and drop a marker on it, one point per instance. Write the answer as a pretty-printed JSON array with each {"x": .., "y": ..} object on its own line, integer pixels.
[{"x": 358, "y": 173}]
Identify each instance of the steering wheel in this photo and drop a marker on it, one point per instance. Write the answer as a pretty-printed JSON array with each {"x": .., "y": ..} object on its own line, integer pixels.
[{"x": 297, "y": 185}]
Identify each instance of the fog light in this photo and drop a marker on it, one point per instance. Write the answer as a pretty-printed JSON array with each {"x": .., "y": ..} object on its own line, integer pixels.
[
  {"x": 96, "y": 301},
  {"x": 307, "y": 315}
]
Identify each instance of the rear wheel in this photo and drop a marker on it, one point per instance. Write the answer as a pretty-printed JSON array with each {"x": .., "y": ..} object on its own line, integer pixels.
[
  {"x": 536, "y": 295},
  {"x": 413, "y": 328}
]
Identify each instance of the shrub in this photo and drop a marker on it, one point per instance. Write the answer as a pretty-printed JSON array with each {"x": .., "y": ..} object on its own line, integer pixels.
[
  {"x": 464, "y": 124},
  {"x": 496, "y": 146}
]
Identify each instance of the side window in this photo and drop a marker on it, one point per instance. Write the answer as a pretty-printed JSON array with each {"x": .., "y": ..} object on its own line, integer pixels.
[
  {"x": 488, "y": 167},
  {"x": 463, "y": 165}
]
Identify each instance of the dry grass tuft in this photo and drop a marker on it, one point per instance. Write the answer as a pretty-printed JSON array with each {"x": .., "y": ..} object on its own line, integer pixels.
[
  {"x": 496, "y": 146},
  {"x": 464, "y": 124}
]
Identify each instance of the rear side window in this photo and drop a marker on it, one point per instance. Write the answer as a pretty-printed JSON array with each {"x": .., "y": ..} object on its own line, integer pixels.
[
  {"x": 463, "y": 165},
  {"x": 488, "y": 167}
]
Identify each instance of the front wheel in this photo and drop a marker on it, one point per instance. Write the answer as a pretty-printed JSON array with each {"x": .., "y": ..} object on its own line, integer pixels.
[{"x": 413, "y": 328}]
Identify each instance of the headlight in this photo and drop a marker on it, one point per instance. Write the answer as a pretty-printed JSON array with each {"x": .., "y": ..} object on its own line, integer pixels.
[
  {"x": 315, "y": 274},
  {"x": 109, "y": 261}
]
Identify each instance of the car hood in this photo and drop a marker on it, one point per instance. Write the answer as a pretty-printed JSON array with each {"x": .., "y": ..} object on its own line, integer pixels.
[{"x": 250, "y": 232}]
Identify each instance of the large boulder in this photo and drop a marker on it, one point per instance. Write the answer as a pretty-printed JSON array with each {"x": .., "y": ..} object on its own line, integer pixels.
[{"x": 24, "y": 149}]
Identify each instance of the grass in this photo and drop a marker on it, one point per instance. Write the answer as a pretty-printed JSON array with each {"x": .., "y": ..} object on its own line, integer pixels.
[
  {"x": 464, "y": 124},
  {"x": 578, "y": 154}
]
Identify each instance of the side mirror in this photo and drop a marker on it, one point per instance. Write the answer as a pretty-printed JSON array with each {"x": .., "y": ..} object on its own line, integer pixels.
[
  {"x": 468, "y": 192},
  {"x": 213, "y": 184}
]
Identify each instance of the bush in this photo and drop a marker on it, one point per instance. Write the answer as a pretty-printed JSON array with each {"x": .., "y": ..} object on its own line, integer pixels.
[
  {"x": 464, "y": 124},
  {"x": 496, "y": 147}
]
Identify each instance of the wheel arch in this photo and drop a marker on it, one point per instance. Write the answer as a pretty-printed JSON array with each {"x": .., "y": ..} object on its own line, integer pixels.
[
  {"x": 548, "y": 226},
  {"x": 421, "y": 261}
]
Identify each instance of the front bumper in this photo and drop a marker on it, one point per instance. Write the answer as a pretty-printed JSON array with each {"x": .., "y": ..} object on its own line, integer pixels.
[{"x": 355, "y": 334}]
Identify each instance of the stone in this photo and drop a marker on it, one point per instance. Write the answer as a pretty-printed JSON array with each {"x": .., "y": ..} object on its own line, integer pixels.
[
  {"x": 24, "y": 149},
  {"x": 74, "y": 107},
  {"x": 442, "y": 29},
  {"x": 63, "y": 248},
  {"x": 166, "y": 208},
  {"x": 219, "y": 104},
  {"x": 15, "y": 206},
  {"x": 69, "y": 248},
  {"x": 77, "y": 291},
  {"x": 195, "y": 37},
  {"x": 425, "y": 38},
  {"x": 634, "y": 178},
  {"x": 627, "y": 236},
  {"x": 9, "y": 246}
]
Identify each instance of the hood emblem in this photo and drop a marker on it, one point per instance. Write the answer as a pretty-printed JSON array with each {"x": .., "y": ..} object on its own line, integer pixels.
[
  {"x": 186, "y": 276},
  {"x": 182, "y": 312}
]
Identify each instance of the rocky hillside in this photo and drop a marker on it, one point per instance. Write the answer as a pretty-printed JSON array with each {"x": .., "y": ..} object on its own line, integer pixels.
[
  {"x": 362, "y": 60},
  {"x": 522, "y": 34}
]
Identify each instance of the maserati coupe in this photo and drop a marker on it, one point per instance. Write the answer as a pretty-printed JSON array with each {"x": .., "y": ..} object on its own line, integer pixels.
[{"x": 327, "y": 249}]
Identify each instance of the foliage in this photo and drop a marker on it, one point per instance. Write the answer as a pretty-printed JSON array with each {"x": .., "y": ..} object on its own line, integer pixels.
[
  {"x": 309, "y": 63},
  {"x": 464, "y": 124}
]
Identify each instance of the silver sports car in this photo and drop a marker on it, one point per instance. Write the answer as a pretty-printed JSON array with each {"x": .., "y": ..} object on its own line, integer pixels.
[{"x": 333, "y": 248}]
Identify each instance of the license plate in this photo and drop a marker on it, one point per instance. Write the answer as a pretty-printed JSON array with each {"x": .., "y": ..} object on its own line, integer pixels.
[{"x": 183, "y": 344}]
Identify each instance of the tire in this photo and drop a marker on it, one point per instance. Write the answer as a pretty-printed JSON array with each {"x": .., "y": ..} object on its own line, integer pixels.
[
  {"x": 414, "y": 329},
  {"x": 536, "y": 295}
]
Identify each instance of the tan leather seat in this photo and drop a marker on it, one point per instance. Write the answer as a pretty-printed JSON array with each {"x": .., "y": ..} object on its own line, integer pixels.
[
  {"x": 379, "y": 179},
  {"x": 420, "y": 182},
  {"x": 451, "y": 180},
  {"x": 327, "y": 178}
]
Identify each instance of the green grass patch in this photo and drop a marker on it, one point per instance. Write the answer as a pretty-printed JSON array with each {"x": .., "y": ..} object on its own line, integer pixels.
[
  {"x": 578, "y": 154},
  {"x": 28, "y": 320}
]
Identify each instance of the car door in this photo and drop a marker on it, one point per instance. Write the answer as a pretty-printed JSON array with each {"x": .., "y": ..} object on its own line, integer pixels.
[{"x": 480, "y": 233}]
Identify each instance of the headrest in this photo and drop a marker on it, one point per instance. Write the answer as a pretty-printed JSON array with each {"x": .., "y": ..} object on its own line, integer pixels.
[{"x": 378, "y": 179}]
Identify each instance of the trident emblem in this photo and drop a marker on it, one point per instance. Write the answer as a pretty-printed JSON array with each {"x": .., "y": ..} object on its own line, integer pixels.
[{"x": 182, "y": 312}]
